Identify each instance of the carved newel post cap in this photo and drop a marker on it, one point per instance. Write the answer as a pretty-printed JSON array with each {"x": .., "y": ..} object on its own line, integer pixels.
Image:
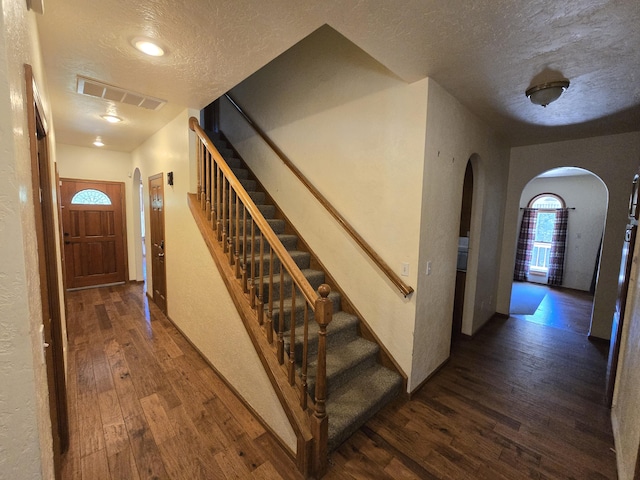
[{"x": 324, "y": 290}]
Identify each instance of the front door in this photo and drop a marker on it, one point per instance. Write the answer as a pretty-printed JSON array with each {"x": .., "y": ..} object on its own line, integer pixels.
[
  {"x": 94, "y": 232},
  {"x": 156, "y": 220},
  {"x": 623, "y": 288}
]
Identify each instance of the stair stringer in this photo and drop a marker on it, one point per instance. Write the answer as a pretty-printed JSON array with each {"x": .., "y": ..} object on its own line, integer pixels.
[{"x": 287, "y": 395}]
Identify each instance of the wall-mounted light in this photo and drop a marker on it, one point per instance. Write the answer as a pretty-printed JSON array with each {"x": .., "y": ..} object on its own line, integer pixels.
[
  {"x": 147, "y": 46},
  {"x": 111, "y": 118},
  {"x": 170, "y": 178},
  {"x": 546, "y": 93}
]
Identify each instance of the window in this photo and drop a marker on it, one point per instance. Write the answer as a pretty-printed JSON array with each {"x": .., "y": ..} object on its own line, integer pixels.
[
  {"x": 546, "y": 206},
  {"x": 91, "y": 197}
]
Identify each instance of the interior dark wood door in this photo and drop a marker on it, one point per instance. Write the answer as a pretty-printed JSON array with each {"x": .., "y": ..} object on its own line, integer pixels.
[
  {"x": 623, "y": 289},
  {"x": 46, "y": 232},
  {"x": 156, "y": 221},
  {"x": 94, "y": 232}
]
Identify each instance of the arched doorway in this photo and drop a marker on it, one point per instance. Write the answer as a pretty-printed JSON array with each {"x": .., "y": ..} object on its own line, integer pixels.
[
  {"x": 463, "y": 252},
  {"x": 586, "y": 199},
  {"x": 139, "y": 226}
]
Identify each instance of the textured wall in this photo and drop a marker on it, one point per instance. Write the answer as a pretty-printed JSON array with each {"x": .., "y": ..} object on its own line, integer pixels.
[
  {"x": 614, "y": 159},
  {"x": 25, "y": 429},
  {"x": 357, "y": 132},
  {"x": 625, "y": 413},
  {"x": 198, "y": 301},
  {"x": 96, "y": 164},
  {"x": 588, "y": 195},
  {"x": 453, "y": 137}
]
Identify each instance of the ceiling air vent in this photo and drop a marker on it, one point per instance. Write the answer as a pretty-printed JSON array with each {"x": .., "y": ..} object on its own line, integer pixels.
[{"x": 94, "y": 88}]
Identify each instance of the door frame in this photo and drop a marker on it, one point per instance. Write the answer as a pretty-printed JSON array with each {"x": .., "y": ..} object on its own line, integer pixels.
[
  {"x": 46, "y": 233},
  {"x": 123, "y": 208}
]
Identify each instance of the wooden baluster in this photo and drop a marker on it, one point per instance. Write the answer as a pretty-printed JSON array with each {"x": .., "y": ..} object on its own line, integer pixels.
[
  {"x": 237, "y": 247},
  {"x": 245, "y": 288},
  {"x": 199, "y": 157},
  {"x": 305, "y": 354},
  {"x": 252, "y": 286},
  {"x": 261, "y": 283},
  {"x": 225, "y": 187},
  {"x": 269, "y": 325},
  {"x": 232, "y": 215},
  {"x": 292, "y": 336},
  {"x": 203, "y": 179},
  {"x": 207, "y": 179},
  {"x": 281, "y": 317},
  {"x": 320, "y": 421},
  {"x": 219, "y": 205},
  {"x": 214, "y": 207}
]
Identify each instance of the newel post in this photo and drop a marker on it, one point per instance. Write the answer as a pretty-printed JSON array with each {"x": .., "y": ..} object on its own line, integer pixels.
[{"x": 320, "y": 421}]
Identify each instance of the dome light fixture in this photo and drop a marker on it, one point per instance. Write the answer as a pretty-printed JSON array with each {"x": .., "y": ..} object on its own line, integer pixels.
[
  {"x": 148, "y": 47},
  {"x": 546, "y": 93},
  {"x": 98, "y": 142},
  {"x": 111, "y": 118}
]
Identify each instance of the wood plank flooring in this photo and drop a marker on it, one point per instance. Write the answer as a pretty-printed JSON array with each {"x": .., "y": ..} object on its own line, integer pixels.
[{"x": 519, "y": 401}]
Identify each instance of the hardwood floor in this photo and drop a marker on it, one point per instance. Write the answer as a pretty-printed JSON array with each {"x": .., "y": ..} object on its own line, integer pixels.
[{"x": 519, "y": 401}]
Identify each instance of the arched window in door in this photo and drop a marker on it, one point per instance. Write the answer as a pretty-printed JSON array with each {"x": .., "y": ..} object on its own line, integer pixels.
[
  {"x": 90, "y": 196},
  {"x": 542, "y": 240}
]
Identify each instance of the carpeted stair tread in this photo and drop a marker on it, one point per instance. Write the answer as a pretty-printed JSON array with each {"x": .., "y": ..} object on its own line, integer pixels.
[
  {"x": 300, "y": 301},
  {"x": 239, "y": 172},
  {"x": 342, "y": 329},
  {"x": 289, "y": 242},
  {"x": 344, "y": 362},
  {"x": 301, "y": 259},
  {"x": 314, "y": 277},
  {"x": 357, "y": 401}
]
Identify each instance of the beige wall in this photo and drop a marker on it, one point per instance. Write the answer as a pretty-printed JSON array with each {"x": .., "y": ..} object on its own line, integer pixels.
[
  {"x": 25, "y": 428},
  {"x": 625, "y": 413},
  {"x": 453, "y": 137},
  {"x": 614, "y": 159},
  {"x": 357, "y": 132},
  {"x": 198, "y": 301},
  {"x": 88, "y": 163}
]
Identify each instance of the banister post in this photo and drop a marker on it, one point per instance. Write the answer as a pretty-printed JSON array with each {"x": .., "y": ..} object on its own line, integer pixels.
[{"x": 320, "y": 421}]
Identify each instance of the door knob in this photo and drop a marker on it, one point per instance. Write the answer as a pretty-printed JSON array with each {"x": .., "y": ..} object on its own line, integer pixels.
[{"x": 161, "y": 254}]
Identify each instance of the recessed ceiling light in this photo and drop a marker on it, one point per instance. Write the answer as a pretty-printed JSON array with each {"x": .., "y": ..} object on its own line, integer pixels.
[
  {"x": 111, "y": 118},
  {"x": 98, "y": 142},
  {"x": 148, "y": 47}
]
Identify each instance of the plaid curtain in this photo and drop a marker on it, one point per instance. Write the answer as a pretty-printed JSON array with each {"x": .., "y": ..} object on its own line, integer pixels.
[
  {"x": 525, "y": 244},
  {"x": 558, "y": 247}
]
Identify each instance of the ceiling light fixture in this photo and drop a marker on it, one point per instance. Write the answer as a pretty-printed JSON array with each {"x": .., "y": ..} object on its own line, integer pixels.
[
  {"x": 111, "y": 118},
  {"x": 98, "y": 142},
  {"x": 148, "y": 47},
  {"x": 546, "y": 93}
]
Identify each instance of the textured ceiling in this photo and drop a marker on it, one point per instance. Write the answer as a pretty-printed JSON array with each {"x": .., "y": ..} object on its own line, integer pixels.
[{"x": 486, "y": 53}]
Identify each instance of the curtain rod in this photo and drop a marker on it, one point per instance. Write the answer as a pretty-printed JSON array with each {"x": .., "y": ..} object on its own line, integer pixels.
[{"x": 568, "y": 208}]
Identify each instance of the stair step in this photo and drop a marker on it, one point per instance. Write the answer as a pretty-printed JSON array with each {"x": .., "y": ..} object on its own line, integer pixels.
[
  {"x": 299, "y": 313},
  {"x": 352, "y": 405},
  {"x": 289, "y": 242},
  {"x": 240, "y": 173},
  {"x": 248, "y": 185},
  {"x": 344, "y": 362},
  {"x": 257, "y": 197},
  {"x": 314, "y": 277},
  {"x": 342, "y": 329},
  {"x": 301, "y": 259}
]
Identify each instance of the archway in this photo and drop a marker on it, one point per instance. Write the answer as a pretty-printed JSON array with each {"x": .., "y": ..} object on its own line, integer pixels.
[
  {"x": 586, "y": 198},
  {"x": 138, "y": 226}
]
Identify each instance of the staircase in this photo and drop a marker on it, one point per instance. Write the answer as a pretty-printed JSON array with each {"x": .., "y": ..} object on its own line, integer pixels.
[{"x": 357, "y": 385}]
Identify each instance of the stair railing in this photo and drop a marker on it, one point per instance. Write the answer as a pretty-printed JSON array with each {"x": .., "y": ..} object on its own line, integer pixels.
[
  {"x": 405, "y": 289},
  {"x": 265, "y": 270}
]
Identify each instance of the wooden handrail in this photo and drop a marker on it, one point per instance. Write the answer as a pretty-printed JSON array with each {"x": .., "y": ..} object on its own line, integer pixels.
[
  {"x": 227, "y": 208},
  {"x": 305, "y": 287},
  {"x": 405, "y": 289}
]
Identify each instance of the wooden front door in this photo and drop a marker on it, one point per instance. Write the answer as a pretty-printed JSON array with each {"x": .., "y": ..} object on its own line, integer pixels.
[
  {"x": 623, "y": 288},
  {"x": 93, "y": 224},
  {"x": 156, "y": 220}
]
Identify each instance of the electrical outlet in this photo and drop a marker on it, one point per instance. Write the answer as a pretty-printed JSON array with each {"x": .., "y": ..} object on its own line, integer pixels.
[{"x": 405, "y": 269}]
